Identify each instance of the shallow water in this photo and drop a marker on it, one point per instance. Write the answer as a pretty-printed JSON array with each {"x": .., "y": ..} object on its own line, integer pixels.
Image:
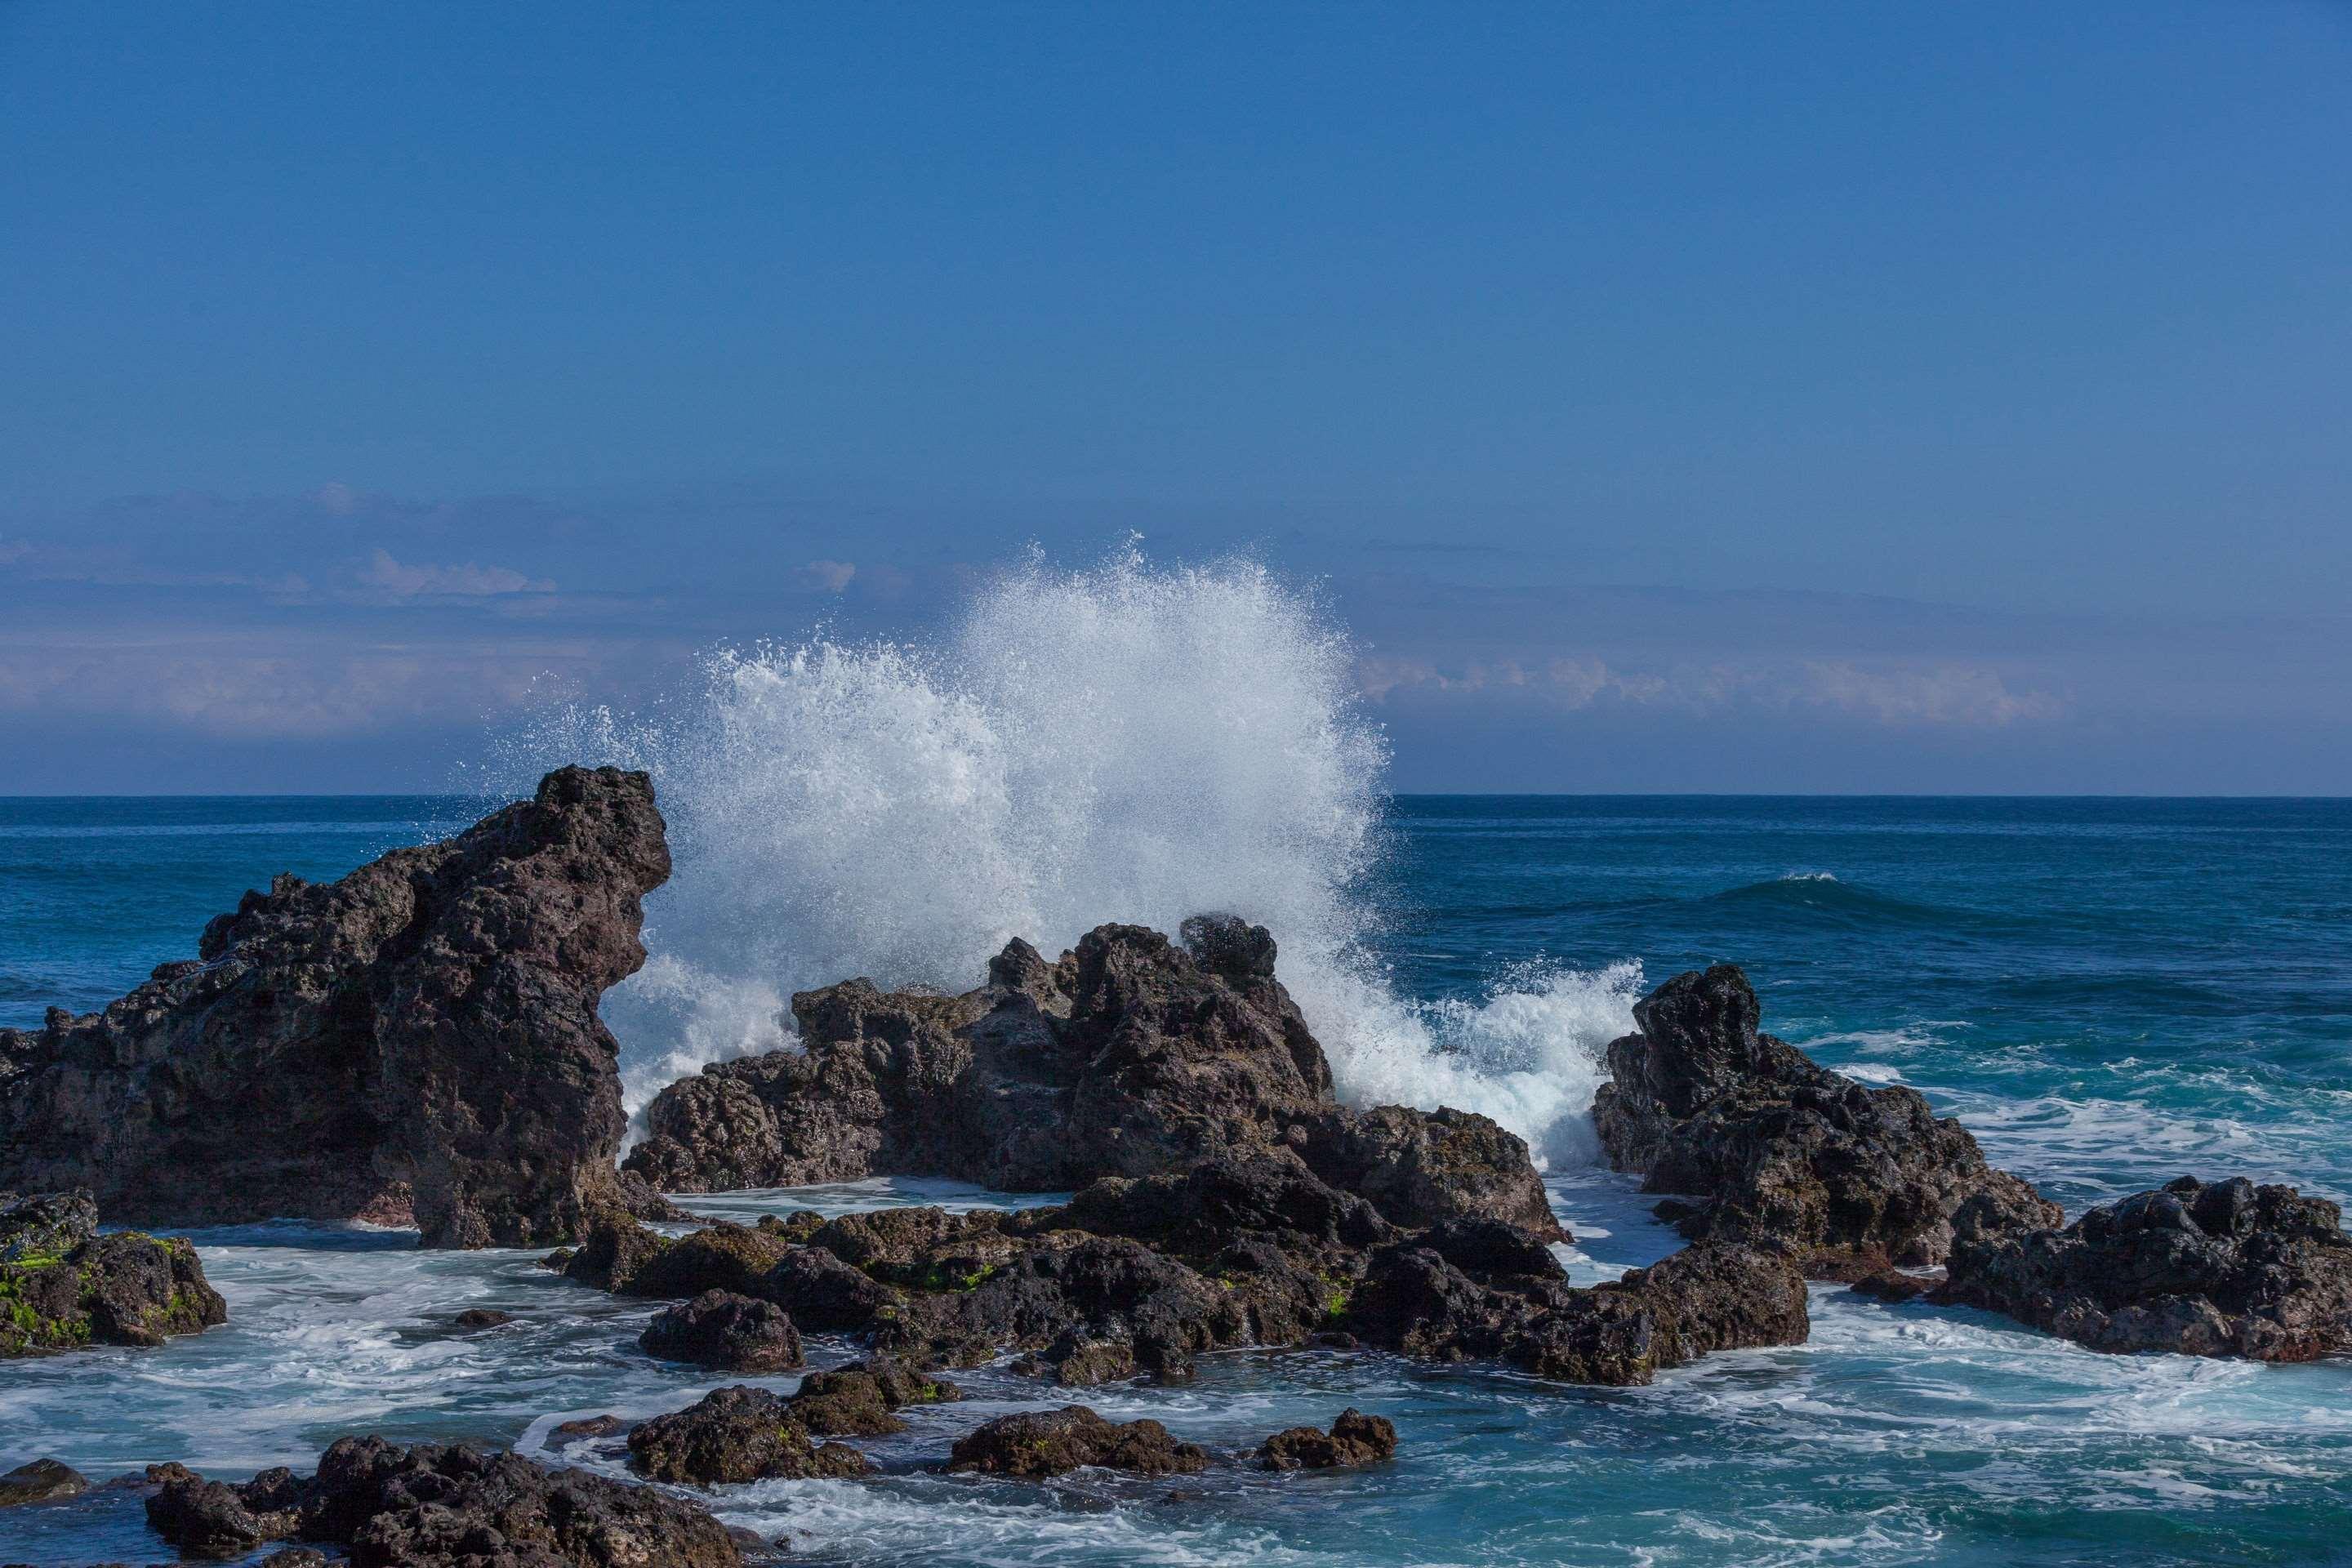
[{"x": 2109, "y": 992}]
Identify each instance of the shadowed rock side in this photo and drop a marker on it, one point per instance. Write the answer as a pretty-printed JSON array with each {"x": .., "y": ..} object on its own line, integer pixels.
[
  {"x": 436, "y": 1505},
  {"x": 416, "y": 1041},
  {"x": 64, "y": 1287},
  {"x": 1140, "y": 1276},
  {"x": 2224, "y": 1268},
  {"x": 1779, "y": 1150},
  {"x": 1036, "y": 1443},
  {"x": 1129, "y": 1057}
]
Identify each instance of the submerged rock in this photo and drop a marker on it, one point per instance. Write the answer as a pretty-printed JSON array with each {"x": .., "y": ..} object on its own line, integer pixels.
[
  {"x": 63, "y": 1286},
  {"x": 1131, "y": 1056},
  {"x": 417, "y": 1041},
  {"x": 442, "y": 1506},
  {"x": 1355, "y": 1438},
  {"x": 726, "y": 1331},
  {"x": 2224, "y": 1268},
  {"x": 735, "y": 1434},
  {"x": 1779, "y": 1150},
  {"x": 43, "y": 1480},
  {"x": 1038, "y": 1442}
]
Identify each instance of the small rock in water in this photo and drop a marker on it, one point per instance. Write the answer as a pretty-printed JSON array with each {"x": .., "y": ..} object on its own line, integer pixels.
[
  {"x": 1053, "y": 1442},
  {"x": 40, "y": 1481},
  {"x": 1355, "y": 1438},
  {"x": 483, "y": 1318},
  {"x": 732, "y": 1436},
  {"x": 587, "y": 1427},
  {"x": 1890, "y": 1284},
  {"x": 731, "y": 1333}
]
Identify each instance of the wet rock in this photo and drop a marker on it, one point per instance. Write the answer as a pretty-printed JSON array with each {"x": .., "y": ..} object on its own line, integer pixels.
[
  {"x": 721, "y": 1256},
  {"x": 1779, "y": 1150},
  {"x": 418, "y": 1041},
  {"x": 859, "y": 1400},
  {"x": 1131, "y": 1056},
  {"x": 614, "y": 1251},
  {"x": 2222, "y": 1268},
  {"x": 40, "y": 1481},
  {"x": 1355, "y": 1438},
  {"x": 1484, "y": 1248},
  {"x": 1074, "y": 1361},
  {"x": 1706, "y": 1297},
  {"x": 1425, "y": 1167},
  {"x": 65, "y": 1288},
  {"x": 476, "y": 1318},
  {"x": 826, "y": 1294},
  {"x": 585, "y": 1428},
  {"x": 1053, "y": 1442},
  {"x": 1891, "y": 1286},
  {"x": 213, "y": 1518},
  {"x": 1201, "y": 1210},
  {"x": 921, "y": 1248},
  {"x": 735, "y": 1434},
  {"x": 726, "y": 1331}
]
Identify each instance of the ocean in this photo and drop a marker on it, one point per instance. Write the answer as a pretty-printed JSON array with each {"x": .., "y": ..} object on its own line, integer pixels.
[{"x": 2109, "y": 992}]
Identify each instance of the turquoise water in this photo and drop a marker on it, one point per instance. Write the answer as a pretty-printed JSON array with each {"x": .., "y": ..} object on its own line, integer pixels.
[{"x": 2110, "y": 992}]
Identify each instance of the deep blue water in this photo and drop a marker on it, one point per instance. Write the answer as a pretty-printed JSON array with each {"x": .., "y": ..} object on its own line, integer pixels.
[{"x": 2108, "y": 991}]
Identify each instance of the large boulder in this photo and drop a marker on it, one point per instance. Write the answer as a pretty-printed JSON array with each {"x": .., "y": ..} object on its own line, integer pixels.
[
  {"x": 1036, "y": 1443},
  {"x": 418, "y": 1042},
  {"x": 65, "y": 1287},
  {"x": 436, "y": 1505},
  {"x": 1779, "y": 1150},
  {"x": 735, "y": 1434},
  {"x": 2222, "y": 1268},
  {"x": 1133, "y": 1055},
  {"x": 726, "y": 1331},
  {"x": 861, "y": 1400}
]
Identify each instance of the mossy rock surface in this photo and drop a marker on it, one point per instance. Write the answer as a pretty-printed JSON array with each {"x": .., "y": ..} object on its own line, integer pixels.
[{"x": 127, "y": 1289}]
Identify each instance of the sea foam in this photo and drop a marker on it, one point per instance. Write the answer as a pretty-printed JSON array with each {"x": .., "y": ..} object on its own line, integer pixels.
[{"x": 1127, "y": 741}]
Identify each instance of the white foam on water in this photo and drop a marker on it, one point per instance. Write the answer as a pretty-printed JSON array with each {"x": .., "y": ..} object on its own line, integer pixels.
[{"x": 1127, "y": 741}]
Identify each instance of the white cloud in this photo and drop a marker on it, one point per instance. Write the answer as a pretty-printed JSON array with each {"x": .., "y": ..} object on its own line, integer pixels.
[
  {"x": 832, "y": 576},
  {"x": 386, "y": 575}
]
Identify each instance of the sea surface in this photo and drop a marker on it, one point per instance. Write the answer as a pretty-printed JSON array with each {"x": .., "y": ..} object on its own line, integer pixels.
[{"x": 2110, "y": 992}]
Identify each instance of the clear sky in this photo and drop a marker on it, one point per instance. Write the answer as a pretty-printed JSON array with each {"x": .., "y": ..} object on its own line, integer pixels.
[{"x": 1733, "y": 397}]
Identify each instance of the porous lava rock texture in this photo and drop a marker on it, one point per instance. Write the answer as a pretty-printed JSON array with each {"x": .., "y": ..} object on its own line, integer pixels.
[
  {"x": 1775, "y": 1150},
  {"x": 65, "y": 1287},
  {"x": 415, "y": 1042}
]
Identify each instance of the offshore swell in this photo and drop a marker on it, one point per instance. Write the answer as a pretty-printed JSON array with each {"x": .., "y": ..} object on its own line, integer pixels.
[{"x": 2109, "y": 992}]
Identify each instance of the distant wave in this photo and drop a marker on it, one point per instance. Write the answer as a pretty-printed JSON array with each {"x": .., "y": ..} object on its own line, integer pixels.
[
  {"x": 1820, "y": 898},
  {"x": 1122, "y": 742}
]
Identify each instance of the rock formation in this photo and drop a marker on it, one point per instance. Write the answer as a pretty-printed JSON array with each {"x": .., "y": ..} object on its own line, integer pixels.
[
  {"x": 1355, "y": 1438},
  {"x": 65, "y": 1287},
  {"x": 1131, "y": 1056},
  {"x": 418, "y": 1041},
  {"x": 2225, "y": 1269},
  {"x": 1780, "y": 1151},
  {"x": 436, "y": 1505},
  {"x": 735, "y": 1434},
  {"x": 1036, "y": 1442},
  {"x": 727, "y": 1332}
]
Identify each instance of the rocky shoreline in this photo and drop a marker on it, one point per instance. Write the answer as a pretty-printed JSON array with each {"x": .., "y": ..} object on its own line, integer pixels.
[{"x": 419, "y": 1042}]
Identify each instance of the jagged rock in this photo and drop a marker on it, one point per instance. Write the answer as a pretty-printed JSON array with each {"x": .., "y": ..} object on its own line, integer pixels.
[
  {"x": 734, "y": 1435},
  {"x": 827, "y": 1294},
  {"x": 418, "y": 1041},
  {"x": 478, "y": 1318},
  {"x": 721, "y": 1256},
  {"x": 858, "y": 1400},
  {"x": 436, "y": 1505},
  {"x": 2225, "y": 1269},
  {"x": 1197, "y": 1212},
  {"x": 1130, "y": 1057},
  {"x": 40, "y": 1481},
  {"x": 1424, "y": 1167},
  {"x": 726, "y": 1331},
  {"x": 1355, "y": 1438},
  {"x": 1053, "y": 1442},
  {"x": 1780, "y": 1150},
  {"x": 63, "y": 1287},
  {"x": 1706, "y": 1297},
  {"x": 921, "y": 1248},
  {"x": 1075, "y": 1362}
]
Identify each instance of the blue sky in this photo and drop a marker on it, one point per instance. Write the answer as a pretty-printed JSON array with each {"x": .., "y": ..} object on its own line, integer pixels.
[{"x": 1787, "y": 397}]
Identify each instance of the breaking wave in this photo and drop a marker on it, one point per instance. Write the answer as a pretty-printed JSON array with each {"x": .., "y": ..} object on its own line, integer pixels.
[{"x": 1127, "y": 741}]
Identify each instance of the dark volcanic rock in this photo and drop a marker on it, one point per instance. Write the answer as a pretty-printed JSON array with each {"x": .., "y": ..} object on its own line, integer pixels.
[
  {"x": 1200, "y": 1211},
  {"x": 40, "y": 1481},
  {"x": 734, "y": 1435},
  {"x": 1891, "y": 1286},
  {"x": 1706, "y": 1297},
  {"x": 1781, "y": 1151},
  {"x": 1355, "y": 1438},
  {"x": 443, "y": 1507},
  {"x": 64, "y": 1288},
  {"x": 1053, "y": 1442},
  {"x": 858, "y": 1400},
  {"x": 2225, "y": 1269},
  {"x": 476, "y": 1318},
  {"x": 1131, "y": 1056},
  {"x": 729, "y": 1332},
  {"x": 418, "y": 1040}
]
